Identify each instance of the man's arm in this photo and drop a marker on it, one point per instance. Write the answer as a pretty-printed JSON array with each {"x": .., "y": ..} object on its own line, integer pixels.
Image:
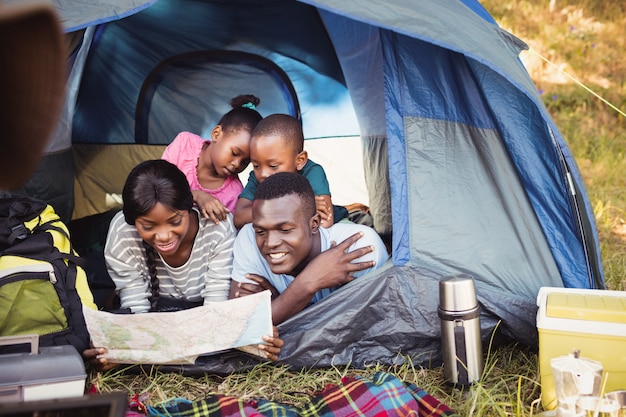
[
  {"x": 240, "y": 289},
  {"x": 329, "y": 269}
]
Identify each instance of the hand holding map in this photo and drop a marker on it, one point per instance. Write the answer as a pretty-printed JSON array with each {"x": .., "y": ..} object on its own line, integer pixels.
[{"x": 180, "y": 337}]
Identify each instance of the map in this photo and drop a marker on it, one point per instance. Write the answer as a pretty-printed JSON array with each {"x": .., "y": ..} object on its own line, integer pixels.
[{"x": 180, "y": 337}]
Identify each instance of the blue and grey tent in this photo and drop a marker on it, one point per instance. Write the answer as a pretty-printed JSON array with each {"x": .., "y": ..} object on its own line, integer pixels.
[{"x": 465, "y": 170}]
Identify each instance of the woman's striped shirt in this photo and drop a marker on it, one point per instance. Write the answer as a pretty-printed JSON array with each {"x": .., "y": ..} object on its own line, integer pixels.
[{"x": 205, "y": 275}]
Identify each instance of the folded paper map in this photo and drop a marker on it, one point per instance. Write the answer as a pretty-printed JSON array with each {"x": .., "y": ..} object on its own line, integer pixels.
[{"x": 180, "y": 337}]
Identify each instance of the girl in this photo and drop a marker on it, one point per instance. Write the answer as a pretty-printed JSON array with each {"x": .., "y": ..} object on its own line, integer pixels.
[
  {"x": 162, "y": 255},
  {"x": 212, "y": 166}
]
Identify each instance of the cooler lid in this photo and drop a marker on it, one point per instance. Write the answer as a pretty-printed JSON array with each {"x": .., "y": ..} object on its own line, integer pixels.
[
  {"x": 586, "y": 306},
  {"x": 52, "y": 364}
]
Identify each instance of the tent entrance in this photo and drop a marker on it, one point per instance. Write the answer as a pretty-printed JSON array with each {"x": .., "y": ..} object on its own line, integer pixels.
[{"x": 191, "y": 91}]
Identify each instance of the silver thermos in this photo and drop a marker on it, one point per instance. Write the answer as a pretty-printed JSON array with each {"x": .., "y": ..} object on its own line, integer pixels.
[{"x": 460, "y": 330}]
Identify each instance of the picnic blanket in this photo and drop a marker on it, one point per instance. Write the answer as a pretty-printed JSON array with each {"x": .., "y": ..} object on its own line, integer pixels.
[{"x": 383, "y": 395}]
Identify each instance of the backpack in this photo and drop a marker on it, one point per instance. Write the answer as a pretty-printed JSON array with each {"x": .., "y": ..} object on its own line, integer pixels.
[{"x": 38, "y": 275}]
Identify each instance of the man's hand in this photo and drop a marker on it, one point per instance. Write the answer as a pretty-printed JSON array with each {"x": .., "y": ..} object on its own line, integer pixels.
[
  {"x": 335, "y": 267},
  {"x": 244, "y": 288},
  {"x": 272, "y": 346},
  {"x": 210, "y": 206},
  {"x": 324, "y": 207},
  {"x": 329, "y": 269}
]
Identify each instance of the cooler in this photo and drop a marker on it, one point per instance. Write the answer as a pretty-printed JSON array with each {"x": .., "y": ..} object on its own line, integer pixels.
[
  {"x": 44, "y": 373},
  {"x": 592, "y": 321}
]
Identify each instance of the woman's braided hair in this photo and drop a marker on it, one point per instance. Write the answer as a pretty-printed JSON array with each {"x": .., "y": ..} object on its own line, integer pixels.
[
  {"x": 149, "y": 183},
  {"x": 154, "y": 281}
]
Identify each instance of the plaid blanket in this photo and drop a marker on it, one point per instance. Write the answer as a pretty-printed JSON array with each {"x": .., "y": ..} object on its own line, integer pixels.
[{"x": 384, "y": 395}]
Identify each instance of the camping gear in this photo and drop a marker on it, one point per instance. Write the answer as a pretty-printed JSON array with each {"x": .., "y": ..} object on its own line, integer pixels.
[
  {"x": 465, "y": 170},
  {"x": 460, "y": 330},
  {"x": 110, "y": 404},
  {"x": 39, "y": 276},
  {"x": 597, "y": 406},
  {"x": 620, "y": 397},
  {"x": 42, "y": 373},
  {"x": 574, "y": 377},
  {"x": 590, "y": 321}
]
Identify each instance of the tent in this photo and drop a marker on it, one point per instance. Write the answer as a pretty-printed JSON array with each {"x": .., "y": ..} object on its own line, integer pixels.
[{"x": 464, "y": 168}]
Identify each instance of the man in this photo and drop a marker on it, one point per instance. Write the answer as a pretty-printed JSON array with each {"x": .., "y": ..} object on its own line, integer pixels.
[{"x": 285, "y": 250}]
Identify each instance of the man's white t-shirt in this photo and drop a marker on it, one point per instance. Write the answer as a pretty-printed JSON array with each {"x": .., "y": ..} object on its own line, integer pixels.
[{"x": 248, "y": 259}]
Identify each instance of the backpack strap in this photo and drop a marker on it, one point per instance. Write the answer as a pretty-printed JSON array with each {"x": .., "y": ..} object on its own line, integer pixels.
[
  {"x": 40, "y": 246},
  {"x": 14, "y": 212},
  {"x": 18, "y": 232},
  {"x": 71, "y": 254}
]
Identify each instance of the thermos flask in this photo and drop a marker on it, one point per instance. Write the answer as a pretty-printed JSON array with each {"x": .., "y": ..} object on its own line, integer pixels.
[{"x": 460, "y": 330}]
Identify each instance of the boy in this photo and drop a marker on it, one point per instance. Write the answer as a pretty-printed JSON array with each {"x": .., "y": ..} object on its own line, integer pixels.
[
  {"x": 277, "y": 145},
  {"x": 286, "y": 251}
]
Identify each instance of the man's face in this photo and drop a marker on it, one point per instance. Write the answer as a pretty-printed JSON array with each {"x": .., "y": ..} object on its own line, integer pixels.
[{"x": 287, "y": 237}]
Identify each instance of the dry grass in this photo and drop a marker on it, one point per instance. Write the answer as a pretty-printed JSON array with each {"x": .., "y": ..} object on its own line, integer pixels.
[
  {"x": 586, "y": 39},
  {"x": 509, "y": 385}
]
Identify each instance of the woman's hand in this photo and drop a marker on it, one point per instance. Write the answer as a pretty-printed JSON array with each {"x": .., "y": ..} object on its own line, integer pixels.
[{"x": 93, "y": 356}]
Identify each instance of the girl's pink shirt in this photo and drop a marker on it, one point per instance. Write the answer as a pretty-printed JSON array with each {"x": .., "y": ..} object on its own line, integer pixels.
[{"x": 184, "y": 151}]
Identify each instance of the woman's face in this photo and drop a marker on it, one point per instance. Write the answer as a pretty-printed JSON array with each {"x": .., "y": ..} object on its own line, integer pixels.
[{"x": 164, "y": 228}]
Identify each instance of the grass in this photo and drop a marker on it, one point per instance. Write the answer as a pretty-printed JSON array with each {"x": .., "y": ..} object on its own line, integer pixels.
[
  {"x": 509, "y": 385},
  {"x": 586, "y": 39}
]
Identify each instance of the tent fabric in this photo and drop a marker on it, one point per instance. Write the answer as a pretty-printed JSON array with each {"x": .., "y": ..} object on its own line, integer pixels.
[
  {"x": 167, "y": 29},
  {"x": 392, "y": 315},
  {"x": 447, "y": 77},
  {"x": 101, "y": 171},
  {"x": 466, "y": 171},
  {"x": 360, "y": 55},
  {"x": 428, "y": 88},
  {"x": 496, "y": 234},
  {"x": 391, "y": 318},
  {"x": 52, "y": 182},
  {"x": 186, "y": 88},
  {"x": 80, "y": 14}
]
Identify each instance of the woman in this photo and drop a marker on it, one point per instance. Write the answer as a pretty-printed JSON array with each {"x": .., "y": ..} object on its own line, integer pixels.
[{"x": 162, "y": 255}]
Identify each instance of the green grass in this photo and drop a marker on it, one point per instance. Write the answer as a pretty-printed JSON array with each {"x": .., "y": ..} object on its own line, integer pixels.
[{"x": 586, "y": 39}]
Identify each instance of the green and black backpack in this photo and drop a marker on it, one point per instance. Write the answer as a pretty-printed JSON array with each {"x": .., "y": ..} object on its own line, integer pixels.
[{"x": 39, "y": 271}]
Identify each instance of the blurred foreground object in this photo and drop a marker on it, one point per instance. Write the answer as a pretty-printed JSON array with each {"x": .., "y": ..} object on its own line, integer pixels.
[{"x": 32, "y": 81}]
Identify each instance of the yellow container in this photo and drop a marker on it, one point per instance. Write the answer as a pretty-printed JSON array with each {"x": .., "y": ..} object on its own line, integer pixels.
[{"x": 592, "y": 321}]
